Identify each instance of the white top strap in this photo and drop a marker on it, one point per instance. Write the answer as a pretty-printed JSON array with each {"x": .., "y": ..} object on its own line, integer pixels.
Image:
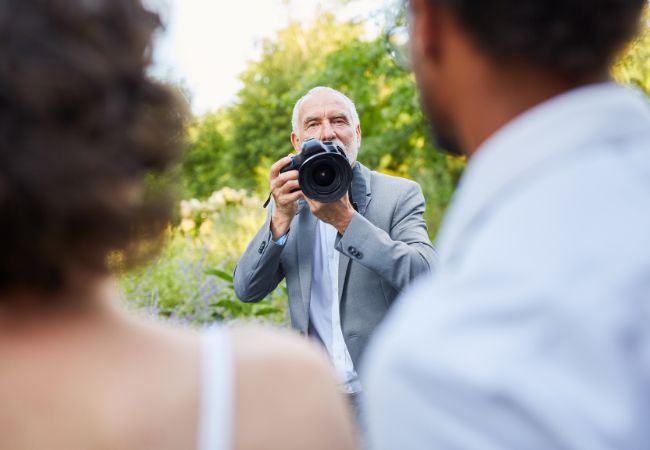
[{"x": 215, "y": 422}]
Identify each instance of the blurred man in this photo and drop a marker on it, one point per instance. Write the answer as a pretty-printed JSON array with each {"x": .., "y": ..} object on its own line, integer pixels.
[
  {"x": 533, "y": 331},
  {"x": 344, "y": 261}
]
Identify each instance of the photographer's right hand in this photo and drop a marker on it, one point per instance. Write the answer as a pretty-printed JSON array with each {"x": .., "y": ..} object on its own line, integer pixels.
[{"x": 286, "y": 193}]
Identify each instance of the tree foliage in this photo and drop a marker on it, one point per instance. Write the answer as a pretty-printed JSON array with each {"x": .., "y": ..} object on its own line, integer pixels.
[
  {"x": 261, "y": 116},
  {"x": 236, "y": 146},
  {"x": 634, "y": 66},
  {"x": 204, "y": 164}
]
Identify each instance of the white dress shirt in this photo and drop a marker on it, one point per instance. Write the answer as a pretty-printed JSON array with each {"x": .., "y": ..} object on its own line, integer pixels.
[
  {"x": 324, "y": 313},
  {"x": 534, "y": 332}
]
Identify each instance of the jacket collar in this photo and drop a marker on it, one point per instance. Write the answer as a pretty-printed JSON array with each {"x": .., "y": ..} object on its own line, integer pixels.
[
  {"x": 361, "y": 188},
  {"x": 534, "y": 141}
]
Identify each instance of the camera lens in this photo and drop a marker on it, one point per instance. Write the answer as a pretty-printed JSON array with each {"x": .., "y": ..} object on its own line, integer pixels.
[
  {"x": 323, "y": 174},
  {"x": 325, "y": 177}
]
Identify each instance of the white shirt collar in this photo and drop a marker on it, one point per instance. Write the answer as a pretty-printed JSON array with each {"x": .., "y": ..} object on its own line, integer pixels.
[{"x": 565, "y": 123}]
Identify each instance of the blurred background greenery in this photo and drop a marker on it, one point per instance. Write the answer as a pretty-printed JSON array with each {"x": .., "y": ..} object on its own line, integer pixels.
[{"x": 225, "y": 171}]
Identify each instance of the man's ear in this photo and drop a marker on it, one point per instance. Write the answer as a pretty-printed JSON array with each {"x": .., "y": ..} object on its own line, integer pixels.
[
  {"x": 358, "y": 131},
  {"x": 295, "y": 141}
]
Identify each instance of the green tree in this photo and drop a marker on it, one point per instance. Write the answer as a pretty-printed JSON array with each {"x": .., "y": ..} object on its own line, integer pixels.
[
  {"x": 395, "y": 133},
  {"x": 634, "y": 66},
  {"x": 261, "y": 115},
  {"x": 204, "y": 165},
  {"x": 236, "y": 146}
]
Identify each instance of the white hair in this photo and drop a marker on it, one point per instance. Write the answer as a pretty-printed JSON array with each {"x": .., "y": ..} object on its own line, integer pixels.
[{"x": 349, "y": 103}]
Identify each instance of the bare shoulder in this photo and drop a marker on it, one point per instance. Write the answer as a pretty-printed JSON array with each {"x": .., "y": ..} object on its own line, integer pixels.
[
  {"x": 265, "y": 345},
  {"x": 285, "y": 394}
]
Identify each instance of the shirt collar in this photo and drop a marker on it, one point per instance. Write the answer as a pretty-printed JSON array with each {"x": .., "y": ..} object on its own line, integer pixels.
[{"x": 565, "y": 123}]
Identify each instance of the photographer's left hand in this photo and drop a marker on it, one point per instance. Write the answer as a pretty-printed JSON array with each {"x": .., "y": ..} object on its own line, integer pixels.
[{"x": 338, "y": 213}]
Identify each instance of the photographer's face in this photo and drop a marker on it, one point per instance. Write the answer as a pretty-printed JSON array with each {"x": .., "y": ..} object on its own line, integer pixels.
[{"x": 326, "y": 117}]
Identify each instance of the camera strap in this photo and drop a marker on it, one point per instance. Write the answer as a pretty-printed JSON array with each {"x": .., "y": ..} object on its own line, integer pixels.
[
  {"x": 354, "y": 204},
  {"x": 266, "y": 203}
]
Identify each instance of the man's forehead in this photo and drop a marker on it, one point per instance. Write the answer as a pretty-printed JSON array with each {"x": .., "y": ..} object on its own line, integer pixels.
[{"x": 324, "y": 103}]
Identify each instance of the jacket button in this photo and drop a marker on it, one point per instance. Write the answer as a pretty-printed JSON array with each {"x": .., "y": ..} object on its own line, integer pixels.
[
  {"x": 352, "y": 250},
  {"x": 359, "y": 255},
  {"x": 262, "y": 246}
]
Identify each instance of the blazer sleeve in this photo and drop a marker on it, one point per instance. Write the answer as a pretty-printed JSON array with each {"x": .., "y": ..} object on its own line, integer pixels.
[
  {"x": 400, "y": 255},
  {"x": 259, "y": 270}
]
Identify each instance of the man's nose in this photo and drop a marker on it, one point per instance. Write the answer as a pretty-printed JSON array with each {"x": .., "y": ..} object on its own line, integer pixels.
[{"x": 327, "y": 132}]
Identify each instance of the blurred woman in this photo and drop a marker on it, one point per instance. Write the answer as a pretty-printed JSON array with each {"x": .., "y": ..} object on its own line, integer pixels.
[{"x": 85, "y": 136}]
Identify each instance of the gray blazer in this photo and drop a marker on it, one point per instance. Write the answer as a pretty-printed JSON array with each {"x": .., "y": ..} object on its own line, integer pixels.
[{"x": 384, "y": 248}]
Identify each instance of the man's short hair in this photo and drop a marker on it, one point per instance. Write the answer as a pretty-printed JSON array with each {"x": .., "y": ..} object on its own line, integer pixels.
[
  {"x": 296, "y": 109},
  {"x": 573, "y": 38}
]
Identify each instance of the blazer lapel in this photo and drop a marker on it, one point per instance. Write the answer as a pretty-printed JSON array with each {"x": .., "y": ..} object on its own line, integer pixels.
[
  {"x": 361, "y": 195},
  {"x": 362, "y": 191},
  {"x": 344, "y": 265},
  {"x": 306, "y": 231}
]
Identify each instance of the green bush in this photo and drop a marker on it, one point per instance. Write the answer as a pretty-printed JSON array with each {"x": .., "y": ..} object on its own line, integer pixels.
[{"x": 191, "y": 281}]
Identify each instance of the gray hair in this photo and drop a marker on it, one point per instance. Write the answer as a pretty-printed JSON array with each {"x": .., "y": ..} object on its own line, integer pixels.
[{"x": 349, "y": 103}]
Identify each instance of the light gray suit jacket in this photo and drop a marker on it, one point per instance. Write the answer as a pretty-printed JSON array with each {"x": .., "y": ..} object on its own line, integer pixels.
[{"x": 385, "y": 246}]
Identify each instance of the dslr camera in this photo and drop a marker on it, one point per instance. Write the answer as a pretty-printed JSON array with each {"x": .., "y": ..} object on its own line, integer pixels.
[{"x": 324, "y": 172}]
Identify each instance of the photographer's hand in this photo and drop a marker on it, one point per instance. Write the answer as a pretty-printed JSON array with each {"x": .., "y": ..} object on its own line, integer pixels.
[
  {"x": 286, "y": 193},
  {"x": 338, "y": 213}
]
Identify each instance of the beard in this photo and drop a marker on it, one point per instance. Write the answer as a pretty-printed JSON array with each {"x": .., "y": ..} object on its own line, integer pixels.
[
  {"x": 442, "y": 131},
  {"x": 441, "y": 126},
  {"x": 351, "y": 149}
]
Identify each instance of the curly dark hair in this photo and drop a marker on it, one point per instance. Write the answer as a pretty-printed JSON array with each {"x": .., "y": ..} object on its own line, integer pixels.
[
  {"x": 83, "y": 131},
  {"x": 572, "y": 38}
]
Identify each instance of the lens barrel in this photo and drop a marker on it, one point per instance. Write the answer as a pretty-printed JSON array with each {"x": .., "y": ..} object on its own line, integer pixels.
[
  {"x": 324, "y": 172},
  {"x": 325, "y": 177}
]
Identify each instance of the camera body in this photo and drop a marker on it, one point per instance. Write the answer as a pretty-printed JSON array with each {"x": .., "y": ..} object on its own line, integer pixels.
[{"x": 324, "y": 171}]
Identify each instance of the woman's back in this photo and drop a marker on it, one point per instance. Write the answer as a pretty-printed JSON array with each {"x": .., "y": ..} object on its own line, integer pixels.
[
  {"x": 105, "y": 380},
  {"x": 83, "y": 132}
]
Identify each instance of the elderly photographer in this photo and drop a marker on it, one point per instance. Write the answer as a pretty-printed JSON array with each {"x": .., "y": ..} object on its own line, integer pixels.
[{"x": 345, "y": 261}]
